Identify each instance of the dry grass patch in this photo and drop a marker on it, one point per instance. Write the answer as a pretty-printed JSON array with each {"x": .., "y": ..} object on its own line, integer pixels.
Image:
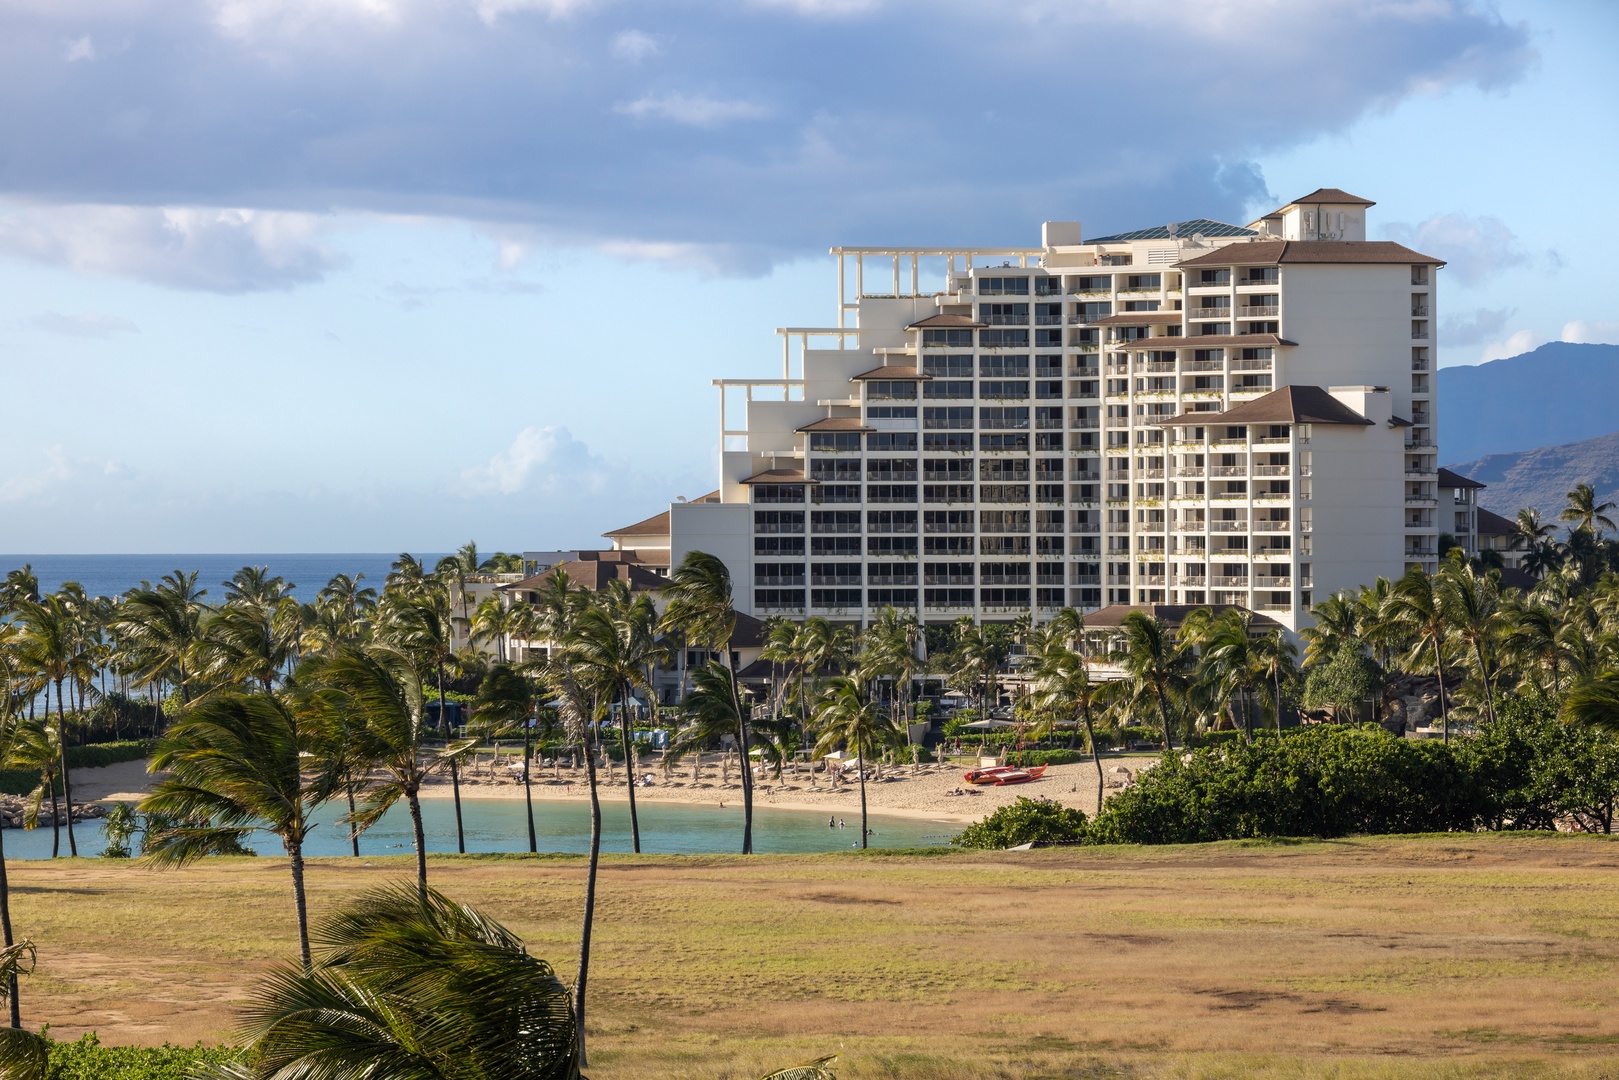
[{"x": 1489, "y": 956}]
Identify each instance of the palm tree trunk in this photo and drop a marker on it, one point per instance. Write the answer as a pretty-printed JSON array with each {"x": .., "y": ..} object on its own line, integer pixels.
[
  {"x": 742, "y": 743},
  {"x": 590, "y": 901},
  {"x": 629, "y": 765},
  {"x": 354, "y": 830},
  {"x": 67, "y": 781},
  {"x": 528, "y": 792},
  {"x": 415, "y": 805},
  {"x": 1484, "y": 677},
  {"x": 295, "y": 849},
  {"x": 455, "y": 793},
  {"x": 1163, "y": 715},
  {"x": 860, "y": 768},
  {"x": 1096, "y": 757},
  {"x": 5, "y": 930},
  {"x": 1439, "y": 671}
]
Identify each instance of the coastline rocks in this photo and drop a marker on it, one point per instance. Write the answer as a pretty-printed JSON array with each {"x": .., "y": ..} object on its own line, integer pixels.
[{"x": 14, "y": 807}]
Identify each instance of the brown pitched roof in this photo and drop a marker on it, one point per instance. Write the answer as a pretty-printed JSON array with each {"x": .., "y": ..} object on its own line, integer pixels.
[
  {"x": 779, "y": 476},
  {"x": 1139, "y": 318},
  {"x": 1331, "y": 196},
  {"x": 1290, "y": 405},
  {"x": 1490, "y": 524},
  {"x": 594, "y": 574},
  {"x": 893, "y": 372},
  {"x": 837, "y": 423},
  {"x": 656, "y": 525},
  {"x": 1171, "y": 615},
  {"x": 952, "y": 322},
  {"x": 1274, "y": 252},
  {"x": 1448, "y": 479},
  {"x": 1203, "y": 341}
]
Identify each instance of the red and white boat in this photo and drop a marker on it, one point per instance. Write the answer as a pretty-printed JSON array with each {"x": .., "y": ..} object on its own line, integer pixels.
[{"x": 1006, "y": 774}]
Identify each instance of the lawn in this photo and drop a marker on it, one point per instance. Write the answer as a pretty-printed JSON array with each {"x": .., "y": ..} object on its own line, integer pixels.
[{"x": 1453, "y": 956}]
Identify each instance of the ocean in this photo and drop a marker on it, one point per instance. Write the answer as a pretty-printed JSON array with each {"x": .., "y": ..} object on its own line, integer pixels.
[{"x": 110, "y": 575}]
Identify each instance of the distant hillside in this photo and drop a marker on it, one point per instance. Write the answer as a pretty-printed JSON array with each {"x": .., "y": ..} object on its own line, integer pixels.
[
  {"x": 1542, "y": 478},
  {"x": 1556, "y": 395}
]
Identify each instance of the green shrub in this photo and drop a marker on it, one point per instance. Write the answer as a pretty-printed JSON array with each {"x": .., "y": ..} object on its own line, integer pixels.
[
  {"x": 87, "y": 1059},
  {"x": 1033, "y": 758},
  {"x": 1026, "y": 821},
  {"x": 100, "y": 755}
]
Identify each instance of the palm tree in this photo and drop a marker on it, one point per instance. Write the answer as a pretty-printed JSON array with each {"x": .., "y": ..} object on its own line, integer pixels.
[
  {"x": 505, "y": 704},
  {"x": 377, "y": 691},
  {"x": 1594, "y": 702},
  {"x": 17, "y": 735},
  {"x": 845, "y": 718},
  {"x": 421, "y": 626},
  {"x": 1471, "y": 603},
  {"x": 1153, "y": 662},
  {"x": 1338, "y": 622},
  {"x": 235, "y": 765},
  {"x": 615, "y": 640},
  {"x": 1418, "y": 606},
  {"x": 1062, "y": 683},
  {"x": 1277, "y": 659},
  {"x": 410, "y": 984},
  {"x": 1228, "y": 665},
  {"x": 701, "y": 611},
  {"x": 48, "y": 644},
  {"x": 1585, "y": 512},
  {"x": 162, "y": 627},
  {"x": 493, "y": 621},
  {"x": 456, "y": 569}
]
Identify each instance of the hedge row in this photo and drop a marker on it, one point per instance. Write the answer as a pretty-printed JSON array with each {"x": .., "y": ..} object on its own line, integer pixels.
[{"x": 87, "y": 1059}]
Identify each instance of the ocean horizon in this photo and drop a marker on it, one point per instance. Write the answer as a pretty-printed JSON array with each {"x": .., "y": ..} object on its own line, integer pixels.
[{"x": 114, "y": 574}]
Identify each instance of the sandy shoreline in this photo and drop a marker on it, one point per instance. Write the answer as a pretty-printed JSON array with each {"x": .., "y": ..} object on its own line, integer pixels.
[{"x": 921, "y": 793}]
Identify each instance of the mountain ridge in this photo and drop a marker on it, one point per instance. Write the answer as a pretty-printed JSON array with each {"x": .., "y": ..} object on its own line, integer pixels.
[{"x": 1557, "y": 395}]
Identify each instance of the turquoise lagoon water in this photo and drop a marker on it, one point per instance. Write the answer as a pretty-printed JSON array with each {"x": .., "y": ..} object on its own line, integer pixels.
[{"x": 498, "y": 825}]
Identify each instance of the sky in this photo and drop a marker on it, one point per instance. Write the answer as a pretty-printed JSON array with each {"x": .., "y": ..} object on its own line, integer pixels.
[{"x": 374, "y": 275}]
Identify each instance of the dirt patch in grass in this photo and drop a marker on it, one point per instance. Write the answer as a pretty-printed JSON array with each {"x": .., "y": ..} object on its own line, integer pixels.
[{"x": 1396, "y": 957}]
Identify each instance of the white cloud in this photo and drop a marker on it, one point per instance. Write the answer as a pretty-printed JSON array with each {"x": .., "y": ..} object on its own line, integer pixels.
[
  {"x": 491, "y": 10},
  {"x": 1515, "y": 344},
  {"x": 57, "y": 471},
  {"x": 634, "y": 46},
  {"x": 1474, "y": 327},
  {"x": 544, "y": 460},
  {"x": 211, "y": 249},
  {"x": 79, "y": 49},
  {"x": 695, "y": 110},
  {"x": 1473, "y": 248},
  {"x": 89, "y": 326},
  {"x": 713, "y": 260},
  {"x": 1591, "y": 331},
  {"x": 822, "y": 8},
  {"x": 251, "y": 19}
]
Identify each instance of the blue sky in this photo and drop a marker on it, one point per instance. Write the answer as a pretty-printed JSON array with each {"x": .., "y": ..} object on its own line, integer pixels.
[{"x": 381, "y": 274}]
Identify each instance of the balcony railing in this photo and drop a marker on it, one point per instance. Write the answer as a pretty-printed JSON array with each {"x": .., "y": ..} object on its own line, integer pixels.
[
  {"x": 1048, "y": 320},
  {"x": 1257, "y": 311},
  {"x": 1272, "y": 470},
  {"x": 1264, "y": 525},
  {"x": 1228, "y": 526},
  {"x": 1005, "y": 320},
  {"x": 1229, "y": 582}
]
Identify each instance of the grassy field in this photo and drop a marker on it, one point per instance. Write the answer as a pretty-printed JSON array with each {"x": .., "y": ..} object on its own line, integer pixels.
[{"x": 1436, "y": 957}]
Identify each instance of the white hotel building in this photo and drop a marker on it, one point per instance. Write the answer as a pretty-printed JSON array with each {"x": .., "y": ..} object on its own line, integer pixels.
[{"x": 1192, "y": 414}]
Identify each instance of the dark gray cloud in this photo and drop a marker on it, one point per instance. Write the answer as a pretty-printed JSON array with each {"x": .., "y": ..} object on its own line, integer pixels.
[{"x": 724, "y": 134}]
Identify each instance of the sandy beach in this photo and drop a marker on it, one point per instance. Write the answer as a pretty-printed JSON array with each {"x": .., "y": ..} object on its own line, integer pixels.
[{"x": 922, "y": 792}]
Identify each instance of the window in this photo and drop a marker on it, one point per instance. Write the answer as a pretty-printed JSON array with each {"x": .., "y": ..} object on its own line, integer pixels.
[
  {"x": 1048, "y": 440},
  {"x": 1005, "y": 471},
  {"x": 949, "y": 597},
  {"x": 1004, "y": 597},
  {"x": 846, "y": 472},
  {"x": 891, "y": 412},
  {"x": 947, "y": 366},
  {"x": 1004, "y": 417},
  {"x": 891, "y": 521},
  {"x": 891, "y": 493},
  {"x": 778, "y": 521},
  {"x": 1004, "y": 388},
  {"x": 947, "y": 339},
  {"x": 1003, "y": 493},
  {"x": 1214, "y": 277},
  {"x": 1094, "y": 283},
  {"x": 1144, "y": 281},
  {"x": 891, "y": 545},
  {"x": 948, "y": 545},
  {"x": 955, "y": 521},
  {"x": 891, "y": 574},
  {"x": 834, "y": 545},
  {"x": 948, "y": 573},
  {"x": 835, "y": 598},
  {"x": 834, "y": 521},
  {"x": 890, "y": 469},
  {"x": 1004, "y": 314},
  {"x": 773, "y": 598},
  {"x": 1003, "y": 339},
  {"x": 1003, "y": 521},
  {"x": 891, "y": 441},
  {"x": 948, "y": 417},
  {"x": 884, "y": 390},
  {"x": 836, "y": 493},
  {"x": 947, "y": 389},
  {"x": 1048, "y": 364},
  {"x": 1048, "y": 286},
  {"x": 891, "y": 597},
  {"x": 778, "y": 545},
  {"x": 1004, "y": 367},
  {"x": 946, "y": 469},
  {"x": 835, "y": 573},
  {"x": 1003, "y": 286},
  {"x": 1018, "y": 442},
  {"x": 946, "y": 441},
  {"x": 1091, "y": 310},
  {"x": 834, "y": 440},
  {"x": 778, "y": 574},
  {"x": 947, "y": 493},
  {"x": 778, "y": 493}
]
